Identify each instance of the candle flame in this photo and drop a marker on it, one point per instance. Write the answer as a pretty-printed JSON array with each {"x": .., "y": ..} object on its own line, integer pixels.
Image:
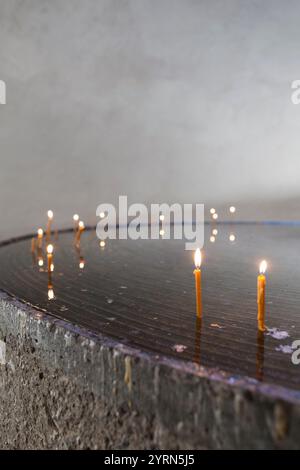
[
  {"x": 212, "y": 211},
  {"x": 232, "y": 209},
  {"x": 81, "y": 265},
  {"x": 50, "y": 249},
  {"x": 41, "y": 263},
  {"x": 263, "y": 267},
  {"x": 198, "y": 258},
  {"x": 102, "y": 243},
  {"x": 81, "y": 225},
  {"x": 75, "y": 217},
  {"x": 50, "y": 214},
  {"x": 215, "y": 216},
  {"x": 40, "y": 232}
]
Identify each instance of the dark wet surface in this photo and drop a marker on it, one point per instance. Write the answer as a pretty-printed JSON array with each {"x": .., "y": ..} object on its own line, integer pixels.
[{"x": 142, "y": 293}]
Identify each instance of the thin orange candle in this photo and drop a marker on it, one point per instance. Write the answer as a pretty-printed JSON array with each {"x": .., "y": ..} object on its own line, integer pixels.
[
  {"x": 197, "y": 274},
  {"x": 50, "y": 258},
  {"x": 80, "y": 229},
  {"x": 261, "y": 290},
  {"x": 76, "y": 221},
  {"x": 50, "y": 218},
  {"x": 40, "y": 235}
]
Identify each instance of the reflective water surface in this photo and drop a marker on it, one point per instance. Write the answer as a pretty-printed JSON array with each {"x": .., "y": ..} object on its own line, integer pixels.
[{"x": 142, "y": 293}]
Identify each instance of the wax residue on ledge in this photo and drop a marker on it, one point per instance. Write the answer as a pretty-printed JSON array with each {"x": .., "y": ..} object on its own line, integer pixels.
[{"x": 277, "y": 334}]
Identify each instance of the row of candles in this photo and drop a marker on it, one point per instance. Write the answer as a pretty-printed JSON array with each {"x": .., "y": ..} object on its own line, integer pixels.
[
  {"x": 37, "y": 247},
  {"x": 79, "y": 228}
]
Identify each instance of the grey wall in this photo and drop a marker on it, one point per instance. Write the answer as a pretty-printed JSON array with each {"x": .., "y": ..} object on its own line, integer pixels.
[{"x": 162, "y": 100}]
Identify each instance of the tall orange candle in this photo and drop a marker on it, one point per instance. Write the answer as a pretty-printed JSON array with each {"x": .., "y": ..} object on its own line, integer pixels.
[
  {"x": 197, "y": 274},
  {"x": 49, "y": 223},
  {"x": 261, "y": 290}
]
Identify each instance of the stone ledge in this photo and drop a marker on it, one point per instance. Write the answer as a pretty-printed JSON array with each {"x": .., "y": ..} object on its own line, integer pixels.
[{"x": 63, "y": 387}]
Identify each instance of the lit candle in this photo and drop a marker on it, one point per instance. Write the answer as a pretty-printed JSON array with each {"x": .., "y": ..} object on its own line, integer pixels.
[
  {"x": 76, "y": 220},
  {"x": 261, "y": 288},
  {"x": 50, "y": 258},
  {"x": 50, "y": 218},
  {"x": 40, "y": 235},
  {"x": 197, "y": 274},
  {"x": 80, "y": 229},
  {"x": 81, "y": 262}
]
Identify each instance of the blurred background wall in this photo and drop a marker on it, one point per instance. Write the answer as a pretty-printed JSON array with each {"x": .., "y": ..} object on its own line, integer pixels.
[{"x": 162, "y": 100}]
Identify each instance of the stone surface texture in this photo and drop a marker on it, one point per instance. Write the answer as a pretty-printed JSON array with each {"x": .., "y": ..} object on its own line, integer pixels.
[{"x": 64, "y": 388}]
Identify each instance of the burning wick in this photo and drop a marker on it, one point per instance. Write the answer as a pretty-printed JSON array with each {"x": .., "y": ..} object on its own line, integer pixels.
[
  {"x": 50, "y": 258},
  {"x": 197, "y": 274},
  {"x": 232, "y": 209},
  {"x": 212, "y": 211},
  {"x": 102, "y": 244},
  {"x": 40, "y": 235},
  {"x": 80, "y": 229},
  {"x": 50, "y": 218},
  {"x": 215, "y": 216},
  {"x": 261, "y": 288}
]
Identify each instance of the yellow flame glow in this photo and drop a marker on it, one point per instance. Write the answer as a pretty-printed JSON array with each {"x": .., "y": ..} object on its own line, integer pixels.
[
  {"x": 75, "y": 217},
  {"x": 198, "y": 258},
  {"x": 50, "y": 214},
  {"x": 263, "y": 267},
  {"x": 50, "y": 249}
]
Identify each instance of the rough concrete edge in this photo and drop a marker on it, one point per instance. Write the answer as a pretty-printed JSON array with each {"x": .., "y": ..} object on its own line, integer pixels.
[
  {"x": 247, "y": 384},
  {"x": 184, "y": 405}
]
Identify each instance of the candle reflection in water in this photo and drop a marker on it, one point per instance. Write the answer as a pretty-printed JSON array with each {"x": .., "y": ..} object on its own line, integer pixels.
[
  {"x": 260, "y": 353},
  {"x": 198, "y": 330}
]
